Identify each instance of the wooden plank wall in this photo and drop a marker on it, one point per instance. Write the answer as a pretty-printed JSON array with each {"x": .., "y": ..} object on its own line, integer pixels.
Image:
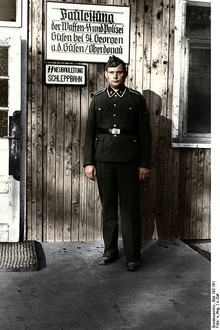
[{"x": 61, "y": 204}]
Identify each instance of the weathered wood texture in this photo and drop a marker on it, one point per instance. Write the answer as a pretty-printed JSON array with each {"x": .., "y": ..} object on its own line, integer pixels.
[{"x": 61, "y": 204}]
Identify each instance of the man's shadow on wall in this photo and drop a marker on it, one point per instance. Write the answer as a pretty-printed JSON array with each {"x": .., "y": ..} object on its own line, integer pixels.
[{"x": 152, "y": 217}]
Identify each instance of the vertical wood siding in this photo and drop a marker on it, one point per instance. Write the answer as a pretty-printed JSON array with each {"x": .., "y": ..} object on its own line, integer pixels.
[{"x": 62, "y": 205}]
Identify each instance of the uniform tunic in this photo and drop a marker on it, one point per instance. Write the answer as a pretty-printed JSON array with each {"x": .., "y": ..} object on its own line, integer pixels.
[
  {"x": 117, "y": 158},
  {"x": 124, "y": 110}
]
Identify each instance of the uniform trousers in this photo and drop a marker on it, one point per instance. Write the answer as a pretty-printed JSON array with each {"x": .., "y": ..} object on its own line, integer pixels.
[{"x": 120, "y": 179}]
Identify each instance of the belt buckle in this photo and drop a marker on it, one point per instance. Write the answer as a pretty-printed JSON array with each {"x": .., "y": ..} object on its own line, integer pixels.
[{"x": 116, "y": 130}]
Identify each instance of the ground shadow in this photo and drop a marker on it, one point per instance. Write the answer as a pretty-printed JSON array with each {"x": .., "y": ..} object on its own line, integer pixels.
[{"x": 41, "y": 258}]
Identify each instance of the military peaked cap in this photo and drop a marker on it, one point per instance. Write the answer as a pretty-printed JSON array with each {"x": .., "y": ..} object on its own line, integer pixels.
[{"x": 113, "y": 62}]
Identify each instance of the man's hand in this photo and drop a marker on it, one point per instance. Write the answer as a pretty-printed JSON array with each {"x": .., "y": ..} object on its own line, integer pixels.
[
  {"x": 90, "y": 172},
  {"x": 143, "y": 173}
]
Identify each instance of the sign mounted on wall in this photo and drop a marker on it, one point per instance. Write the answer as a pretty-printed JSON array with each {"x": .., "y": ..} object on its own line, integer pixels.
[
  {"x": 65, "y": 74},
  {"x": 87, "y": 33}
]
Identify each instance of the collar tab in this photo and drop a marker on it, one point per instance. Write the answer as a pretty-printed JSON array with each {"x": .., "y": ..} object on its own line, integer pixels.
[{"x": 120, "y": 93}]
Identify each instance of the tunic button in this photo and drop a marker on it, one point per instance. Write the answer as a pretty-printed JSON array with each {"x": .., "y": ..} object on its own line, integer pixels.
[
  {"x": 114, "y": 125},
  {"x": 115, "y": 135},
  {"x": 114, "y": 115},
  {"x": 114, "y": 105}
]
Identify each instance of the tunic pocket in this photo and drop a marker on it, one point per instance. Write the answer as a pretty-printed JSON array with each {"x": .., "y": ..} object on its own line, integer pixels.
[
  {"x": 99, "y": 147},
  {"x": 101, "y": 115},
  {"x": 129, "y": 115},
  {"x": 132, "y": 148}
]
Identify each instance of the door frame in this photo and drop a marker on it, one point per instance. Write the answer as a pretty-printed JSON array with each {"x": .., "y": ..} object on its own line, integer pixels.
[{"x": 23, "y": 181}]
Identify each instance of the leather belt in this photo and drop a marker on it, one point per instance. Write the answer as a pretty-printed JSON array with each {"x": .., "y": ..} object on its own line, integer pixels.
[{"x": 116, "y": 131}]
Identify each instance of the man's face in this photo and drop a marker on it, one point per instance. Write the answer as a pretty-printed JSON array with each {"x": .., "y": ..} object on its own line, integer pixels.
[{"x": 116, "y": 77}]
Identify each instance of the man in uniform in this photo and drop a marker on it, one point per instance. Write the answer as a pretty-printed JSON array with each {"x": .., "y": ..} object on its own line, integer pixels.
[{"x": 118, "y": 152}]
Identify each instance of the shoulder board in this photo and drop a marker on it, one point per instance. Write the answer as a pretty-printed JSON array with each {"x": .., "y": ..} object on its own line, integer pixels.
[
  {"x": 134, "y": 91},
  {"x": 100, "y": 92}
]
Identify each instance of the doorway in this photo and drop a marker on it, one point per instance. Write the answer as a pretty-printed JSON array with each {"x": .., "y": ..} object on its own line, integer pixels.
[{"x": 10, "y": 137}]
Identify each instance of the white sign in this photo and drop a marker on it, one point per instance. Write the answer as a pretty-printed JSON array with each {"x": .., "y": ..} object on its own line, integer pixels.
[
  {"x": 87, "y": 33},
  {"x": 65, "y": 74}
]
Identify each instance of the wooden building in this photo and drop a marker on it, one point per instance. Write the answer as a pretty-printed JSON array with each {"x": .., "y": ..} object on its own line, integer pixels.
[{"x": 61, "y": 204}]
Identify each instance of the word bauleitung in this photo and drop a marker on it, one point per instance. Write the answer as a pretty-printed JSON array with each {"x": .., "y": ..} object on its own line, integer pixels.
[{"x": 86, "y": 16}]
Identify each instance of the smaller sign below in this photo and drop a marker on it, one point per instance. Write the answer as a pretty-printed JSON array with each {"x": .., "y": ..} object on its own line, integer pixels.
[{"x": 65, "y": 74}]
